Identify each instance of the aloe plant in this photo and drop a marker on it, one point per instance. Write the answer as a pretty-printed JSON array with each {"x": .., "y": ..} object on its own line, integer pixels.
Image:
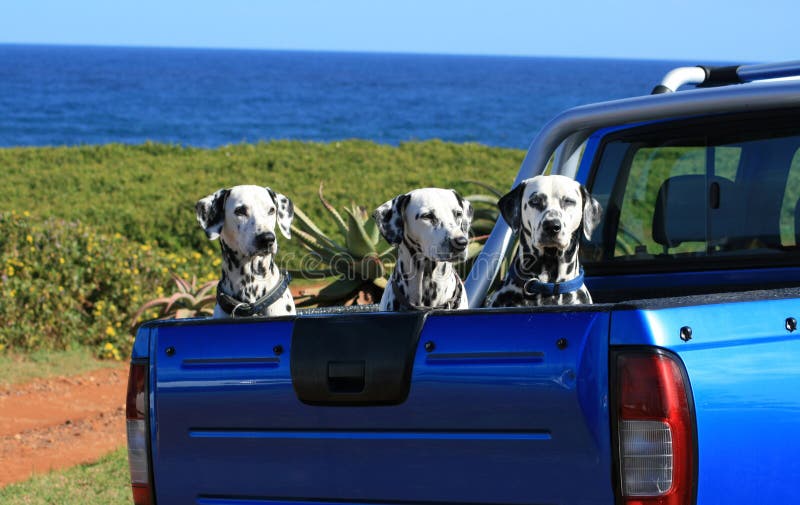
[
  {"x": 357, "y": 260},
  {"x": 188, "y": 300}
]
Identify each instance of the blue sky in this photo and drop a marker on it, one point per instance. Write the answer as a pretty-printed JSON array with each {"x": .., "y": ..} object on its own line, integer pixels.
[{"x": 694, "y": 30}]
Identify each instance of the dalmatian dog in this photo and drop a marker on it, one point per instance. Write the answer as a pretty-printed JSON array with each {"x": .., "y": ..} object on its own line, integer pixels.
[
  {"x": 549, "y": 212},
  {"x": 430, "y": 228},
  {"x": 244, "y": 218}
]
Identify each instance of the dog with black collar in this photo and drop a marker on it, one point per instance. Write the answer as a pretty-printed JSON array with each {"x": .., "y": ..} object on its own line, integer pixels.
[
  {"x": 244, "y": 219},
  {"x": 549, "y": 213},
  {"x": 430, "y": 227}
]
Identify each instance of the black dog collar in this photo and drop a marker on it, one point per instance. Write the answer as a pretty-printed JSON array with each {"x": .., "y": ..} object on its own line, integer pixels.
[{"x": 237, "y": 308}]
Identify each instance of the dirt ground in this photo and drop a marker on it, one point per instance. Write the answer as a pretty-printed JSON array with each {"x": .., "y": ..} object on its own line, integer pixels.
[{"x": 59, "y": 422}]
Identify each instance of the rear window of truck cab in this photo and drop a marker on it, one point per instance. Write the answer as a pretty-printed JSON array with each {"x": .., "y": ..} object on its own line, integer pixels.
[{"x": 709, "y": 192}]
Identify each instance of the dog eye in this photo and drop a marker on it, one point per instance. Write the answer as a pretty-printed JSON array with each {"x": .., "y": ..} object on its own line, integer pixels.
[
  {"x": 241, "y": 211},
  {"x": 428, "y": 216},
  {"x": 271, "y": 211},
  {"x": 536, "y": 202},
  {"x": 458, "y": 214},
  {"x": 568, "y": 202}
]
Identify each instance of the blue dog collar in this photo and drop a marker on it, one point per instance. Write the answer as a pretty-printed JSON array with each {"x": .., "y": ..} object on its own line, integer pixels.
[{"x": 535, "y": 287}]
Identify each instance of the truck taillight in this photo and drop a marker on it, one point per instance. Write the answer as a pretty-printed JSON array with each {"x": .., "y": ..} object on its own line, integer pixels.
[
  {"x": 136, "y": 418},
  {"x": 655, "y": 429}
]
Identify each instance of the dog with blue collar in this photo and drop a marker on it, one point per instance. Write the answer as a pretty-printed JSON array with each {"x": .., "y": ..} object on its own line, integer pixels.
[{"x": 549, "y": 213}]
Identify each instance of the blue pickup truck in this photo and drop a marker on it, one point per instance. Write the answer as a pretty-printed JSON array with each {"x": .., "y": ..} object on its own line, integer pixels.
[{"x": 679, "y": 385}]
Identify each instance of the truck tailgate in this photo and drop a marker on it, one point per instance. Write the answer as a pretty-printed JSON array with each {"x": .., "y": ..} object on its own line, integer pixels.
[{"x": 498, "y": 407}]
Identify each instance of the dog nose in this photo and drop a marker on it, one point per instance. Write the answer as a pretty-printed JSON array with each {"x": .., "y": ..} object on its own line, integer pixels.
[
  {"x": 551, "y": 226},
  {"x": 459, "y": 243},
  {"x": 264, "y": 240}
]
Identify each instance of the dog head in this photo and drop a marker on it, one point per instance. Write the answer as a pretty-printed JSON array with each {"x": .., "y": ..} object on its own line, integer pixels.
[
  {"x": 245, "y": 217},
  {"x": 433, "y": 222},
  {"x": 550, "y": 210}
]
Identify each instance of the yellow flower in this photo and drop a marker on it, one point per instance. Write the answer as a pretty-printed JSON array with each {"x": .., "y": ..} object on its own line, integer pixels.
[
  {"x": 217, "y": 262},
  {"x": 26, "y": 214},
  {"x": 111, "y": 332},
  {"x": 9, "y": 270},
  {"x": 60, "y": 261},
  {"x": 118, "y": 235},
  {"x": 108, "y": 347},
  {"x": 29, "y": 239},
  {"x": 159, "y": 290},
  {"x": 196, "y": 255},
  {"x": 2, "y": 347},
  {"x": 12, "y": 293}
]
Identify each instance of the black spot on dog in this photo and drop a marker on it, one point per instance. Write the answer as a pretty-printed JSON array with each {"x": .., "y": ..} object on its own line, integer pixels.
[
  {"x": 260, "y": 269},
  {"x": 229, "y": 256},
  {"x": 507, "y": 299}
]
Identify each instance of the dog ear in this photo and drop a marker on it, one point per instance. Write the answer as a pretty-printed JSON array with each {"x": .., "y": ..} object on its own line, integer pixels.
[
  {"x": 210, "y": 212},
  {"x": 592, "y": 212},
  {"x": 510, "y": 206},
  {"x": 389, "y": 218},
  {"x": 285, "y": 212},
  {"x": 466, "y": 209}
]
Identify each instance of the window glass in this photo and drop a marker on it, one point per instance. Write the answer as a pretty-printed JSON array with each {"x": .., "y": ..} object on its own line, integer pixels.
[
  {"x": 790, "y": 210},
  {"x": 650, "y": 168},
  {"x": 704, "y": 191}
]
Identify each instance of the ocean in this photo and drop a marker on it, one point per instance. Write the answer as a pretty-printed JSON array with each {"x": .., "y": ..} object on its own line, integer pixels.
[{"x": 69, "y": 95}]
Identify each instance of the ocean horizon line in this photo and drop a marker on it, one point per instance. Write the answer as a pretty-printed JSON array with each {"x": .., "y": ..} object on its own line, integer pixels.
[{"x": 364, "y": 52}]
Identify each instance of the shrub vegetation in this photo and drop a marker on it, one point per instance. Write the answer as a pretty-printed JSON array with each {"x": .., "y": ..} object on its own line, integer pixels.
[{"x": 89, "y": 233}]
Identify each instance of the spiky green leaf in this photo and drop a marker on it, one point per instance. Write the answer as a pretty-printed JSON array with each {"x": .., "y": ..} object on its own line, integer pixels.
[
  {"x": 330, "y": 208},
  {"x": 358, "y": 241}
]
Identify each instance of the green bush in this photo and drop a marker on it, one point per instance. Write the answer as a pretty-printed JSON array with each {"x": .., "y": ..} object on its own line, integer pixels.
[
  {"x": 90, "y": 233},
  {"x": 65, "y": 285}
]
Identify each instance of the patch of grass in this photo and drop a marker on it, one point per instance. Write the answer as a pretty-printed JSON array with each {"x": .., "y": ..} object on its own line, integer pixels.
[
  {"x": 21, "y": 368},
  {"x": 103, "y": 483}
]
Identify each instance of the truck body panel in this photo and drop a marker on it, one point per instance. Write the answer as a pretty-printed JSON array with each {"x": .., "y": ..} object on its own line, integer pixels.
[
  {"x": 501, "y": 410},
  {"x": 744, "y": 368}
]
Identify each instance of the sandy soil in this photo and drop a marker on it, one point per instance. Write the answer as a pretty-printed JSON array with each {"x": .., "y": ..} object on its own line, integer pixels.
[{"x": 60, "y": 422}]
